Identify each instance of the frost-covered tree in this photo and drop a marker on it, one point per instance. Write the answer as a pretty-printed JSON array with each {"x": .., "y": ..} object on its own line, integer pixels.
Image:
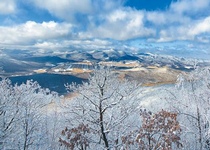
[
  {"x": 32, "y": 101},
  {"x": 192, "y": 102},
  {"x": 107, "y": 105},
  {"x": 8, "y": 112},
  {"x": 23, "y": 116}
]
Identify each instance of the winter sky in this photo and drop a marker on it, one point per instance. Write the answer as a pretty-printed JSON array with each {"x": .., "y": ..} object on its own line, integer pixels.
[{"x": 167, "y": 26}]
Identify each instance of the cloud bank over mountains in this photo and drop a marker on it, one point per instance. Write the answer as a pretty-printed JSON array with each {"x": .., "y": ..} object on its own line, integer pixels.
[{"x": 65, "y": 23}]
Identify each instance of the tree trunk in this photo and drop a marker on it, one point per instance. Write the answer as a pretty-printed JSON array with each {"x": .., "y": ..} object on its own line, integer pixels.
[
  {"x": 26, "y": 135},
  {"x": 102, "y": 129},
  {"x": 104, "y": 137},
  {"x": 199, "y": 129}
]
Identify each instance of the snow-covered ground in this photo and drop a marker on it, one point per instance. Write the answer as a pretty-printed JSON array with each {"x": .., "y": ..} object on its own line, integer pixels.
[{"x": 155, "y": 98}]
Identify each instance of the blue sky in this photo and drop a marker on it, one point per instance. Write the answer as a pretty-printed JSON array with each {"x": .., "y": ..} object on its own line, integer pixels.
[{"x": 159, "y": 26}]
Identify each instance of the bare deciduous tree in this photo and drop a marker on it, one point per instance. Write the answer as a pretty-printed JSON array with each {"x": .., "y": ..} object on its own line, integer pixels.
[{"x": 107, "y": 104}]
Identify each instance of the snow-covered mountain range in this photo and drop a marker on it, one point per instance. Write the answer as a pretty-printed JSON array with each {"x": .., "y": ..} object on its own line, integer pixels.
[{"x": 147, "y": 68}]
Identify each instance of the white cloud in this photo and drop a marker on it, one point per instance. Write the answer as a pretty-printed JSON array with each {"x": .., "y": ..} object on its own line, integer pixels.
[
  {"x": 195, "y": 31},
  {"x": 69, "y": 9},
  {"x": 203, "y": 26},
  {"x": 166, "y": 18},
  {"x": 91, "y": 44},
  {"x": 7, "y": 6},
  {"x": 190, "y": 6},
  {"x": 65, "y": 9},
  {"x": 184, "y": 20},
  {"x": 122, "y": 24},
  {"x": 31, "y": 32},
  {"x": 49, "y": 45},
  {"x": 47, "y": 36},
  {"x": 180, "y": 13}
]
